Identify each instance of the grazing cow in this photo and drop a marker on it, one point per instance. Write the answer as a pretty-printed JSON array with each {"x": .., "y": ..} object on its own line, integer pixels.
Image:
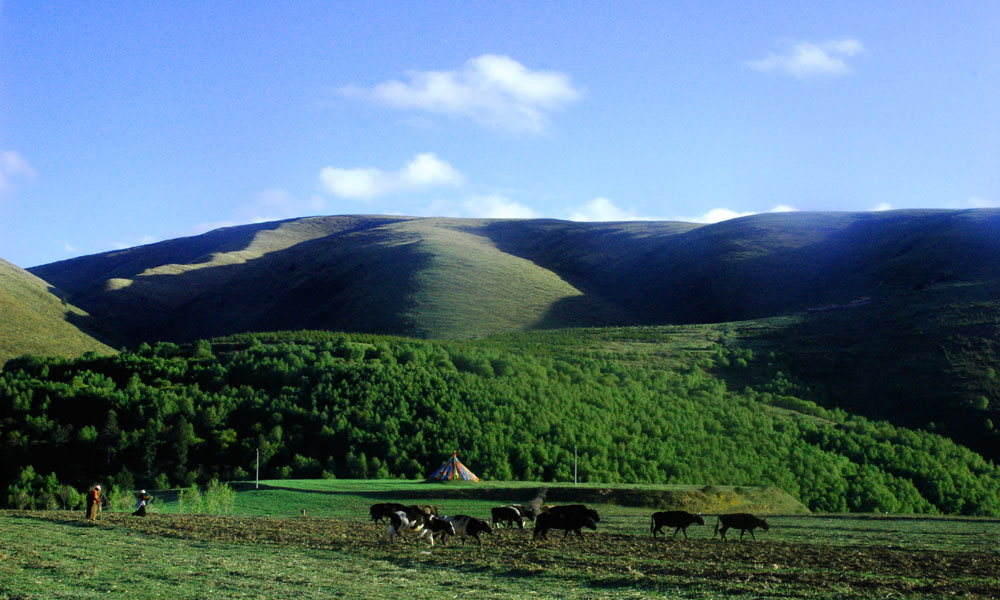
[
  {"x": 508, "y": 515},
  {"x": 526, "y": 511},
  {"x": 400, "y": 523},
  {"x": 567, "y": 522},
  {"x": 384, "y": 510},
  {"x": 466, "y": 526},
  {"x": 418, "y": 524},
  {"x": 680, "y": 519},
  {"x": 436, "y": 527},
  {"x": 576, "y": 510},
  {"x": 743, "y": 521}
]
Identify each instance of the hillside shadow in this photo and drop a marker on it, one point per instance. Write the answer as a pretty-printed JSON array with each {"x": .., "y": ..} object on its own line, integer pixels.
[
  {"x": 359, "y": 279},
  {"x": 585, "y": 311},
  {"x": 95, "y": 328}
]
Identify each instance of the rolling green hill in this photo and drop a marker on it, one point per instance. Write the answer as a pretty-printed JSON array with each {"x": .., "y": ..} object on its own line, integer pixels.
[
  {"x": 455, "y": 278},
  {"x": 425, "y": 277},
  {"x": 33, "y": 320},
  {"x": 894, "y": 315}
]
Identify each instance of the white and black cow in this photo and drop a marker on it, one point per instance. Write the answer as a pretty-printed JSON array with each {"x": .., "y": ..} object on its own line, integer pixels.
[
  {"x": 469, "y": 526},
  {"x": 400, "y": 523},
  {"x": 437, "y": 527},
  {"x": 508, "y": 515},
  {"x": 418, "y": 524}
]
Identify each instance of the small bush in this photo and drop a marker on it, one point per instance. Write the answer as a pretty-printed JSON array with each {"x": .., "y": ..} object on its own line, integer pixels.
[
  {"x": 189, "y": 500},
  {"x": 219, "y": 498}
]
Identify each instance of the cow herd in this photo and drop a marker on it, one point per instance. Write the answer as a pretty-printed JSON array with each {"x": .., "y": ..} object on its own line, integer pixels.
[{"x": 424, "y": 521}]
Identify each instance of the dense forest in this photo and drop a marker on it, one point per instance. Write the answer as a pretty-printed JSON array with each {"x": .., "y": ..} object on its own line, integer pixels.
[{"x": 634, "y": 404}]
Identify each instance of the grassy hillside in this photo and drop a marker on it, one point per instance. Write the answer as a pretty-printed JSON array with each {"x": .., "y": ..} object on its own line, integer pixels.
[
  {"x": 464, "y": 278},
  {"x": 35, "y": 321},
  {"x": 423, "y": 277}
]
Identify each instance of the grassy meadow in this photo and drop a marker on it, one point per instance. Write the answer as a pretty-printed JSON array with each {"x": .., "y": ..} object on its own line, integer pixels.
[{"x": 266, "y": 548}]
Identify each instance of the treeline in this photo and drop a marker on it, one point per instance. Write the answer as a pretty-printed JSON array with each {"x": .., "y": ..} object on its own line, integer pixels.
[{"x": 324, "y": 405}]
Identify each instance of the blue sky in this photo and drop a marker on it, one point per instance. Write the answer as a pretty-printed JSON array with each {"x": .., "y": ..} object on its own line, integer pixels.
[{"x": 127, "y": 123}]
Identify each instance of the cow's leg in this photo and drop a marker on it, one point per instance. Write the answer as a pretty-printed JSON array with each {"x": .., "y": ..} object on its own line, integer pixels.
[{"x": 752, "y": 535}]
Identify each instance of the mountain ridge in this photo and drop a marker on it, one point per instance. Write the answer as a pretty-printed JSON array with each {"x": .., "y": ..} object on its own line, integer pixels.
[{"x": 897, "y": 312}]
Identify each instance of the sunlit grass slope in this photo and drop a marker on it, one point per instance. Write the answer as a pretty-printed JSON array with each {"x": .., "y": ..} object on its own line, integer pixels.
[
  {"x": 469, "y": 288},
  {"x": 421, "y": 277},
  {"x": 35, "y": 321}
]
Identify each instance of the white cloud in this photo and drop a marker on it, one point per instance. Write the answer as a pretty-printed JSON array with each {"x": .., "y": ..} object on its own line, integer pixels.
[
  {"x": 806, "y": 59},
  {"x": 977, "y": 202},
  {"x": 424, "y": 171},
  {"x": 494, "y": 90},
  {"x": 717, "y": 215},
  {"x": 603, "y": 210},
  {"x": 497, "y": 207},
  {"x": 13, "y": 167},
  {"x": 882, "y": 206}
]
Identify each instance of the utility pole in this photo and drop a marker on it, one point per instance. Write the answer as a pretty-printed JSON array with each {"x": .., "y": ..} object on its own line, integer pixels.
[
  {"x": 574, "y": 464},
  {"x": 258, "y": 469}
]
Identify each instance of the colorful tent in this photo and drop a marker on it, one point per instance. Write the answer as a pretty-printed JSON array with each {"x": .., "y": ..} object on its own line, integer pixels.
[{"x": 453, "y": 469}]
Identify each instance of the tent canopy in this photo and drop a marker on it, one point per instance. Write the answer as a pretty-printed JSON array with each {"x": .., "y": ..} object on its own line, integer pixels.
[{"x": 453, "y": 469}]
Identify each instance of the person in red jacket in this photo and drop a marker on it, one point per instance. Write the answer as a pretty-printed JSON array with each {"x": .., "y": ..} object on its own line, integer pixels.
[{"x": 94, "y": 503}]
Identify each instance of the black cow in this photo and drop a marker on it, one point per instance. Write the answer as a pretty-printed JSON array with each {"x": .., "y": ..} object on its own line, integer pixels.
[
  {"x": 743, "y": 521},
  {"x": 508, "y": 515},
  {"x": 384, "y": 510},
  {"x": 680, "y": 519},
  {"x": 567, "y": 522},
  {"x": 575, "y": 510}
]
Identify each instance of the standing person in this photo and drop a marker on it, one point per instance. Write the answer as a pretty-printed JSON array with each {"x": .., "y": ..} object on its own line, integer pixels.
[
  {"x": 140, "y": 504},
  {"x": 93, "y": 503}
]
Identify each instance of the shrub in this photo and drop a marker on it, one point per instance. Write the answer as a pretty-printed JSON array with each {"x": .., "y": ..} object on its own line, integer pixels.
[
  {"x": 189, "y": 500},
  {"x": 219, "y": 498}
]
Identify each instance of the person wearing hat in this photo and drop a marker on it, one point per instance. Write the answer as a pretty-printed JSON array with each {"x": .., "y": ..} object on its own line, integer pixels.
[
  {"x": 140, "y": 504},
  {"x": 93, "y": 503}
]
